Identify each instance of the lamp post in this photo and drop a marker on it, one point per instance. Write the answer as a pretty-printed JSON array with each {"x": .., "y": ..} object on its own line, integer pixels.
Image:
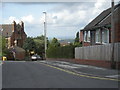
[
  {"x": 113, "y": 64},
  {"x": 45, "y": 28}
]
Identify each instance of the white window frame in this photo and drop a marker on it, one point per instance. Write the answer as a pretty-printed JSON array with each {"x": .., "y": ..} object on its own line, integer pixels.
[
  {"x": 97, "y": 37},
  {"x": 86, "y": 36},
  {"x": 106, "y": 37}
]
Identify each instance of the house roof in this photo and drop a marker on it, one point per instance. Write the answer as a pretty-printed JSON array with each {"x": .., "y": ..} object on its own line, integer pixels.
[
  {"x": 7, "y": 30},
  {"x": 103, "y": 19}
]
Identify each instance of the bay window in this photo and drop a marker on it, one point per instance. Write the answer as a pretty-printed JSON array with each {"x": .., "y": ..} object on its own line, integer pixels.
[
  {"x": 105, "y": 36},
  {"x": 97, "y": 35},
  {"x": 87, "y": 36}
]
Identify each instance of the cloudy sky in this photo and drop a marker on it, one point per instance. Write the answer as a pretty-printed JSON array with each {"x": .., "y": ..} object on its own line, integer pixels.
[{"x": 63, "y": 19}]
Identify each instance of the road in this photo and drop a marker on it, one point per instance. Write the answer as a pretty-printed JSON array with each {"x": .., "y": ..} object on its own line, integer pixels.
[{"x": 43, "y": 75}]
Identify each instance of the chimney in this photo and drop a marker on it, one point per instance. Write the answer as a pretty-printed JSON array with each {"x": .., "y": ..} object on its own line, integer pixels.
[
  {"x": 13, "y": 26},
  {"x": 21, "y": 24}
]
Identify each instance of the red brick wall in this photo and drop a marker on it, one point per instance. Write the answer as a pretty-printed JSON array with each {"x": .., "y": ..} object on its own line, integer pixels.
[
  {"x": 98, "y": 63},
  {"x": 20, "y": 56},
  {"x": 81, "y": 36},
  {"x": 117, "y": 25},
  {"x": 15, "y": 36},
  {"x": 117, "y": 32}
]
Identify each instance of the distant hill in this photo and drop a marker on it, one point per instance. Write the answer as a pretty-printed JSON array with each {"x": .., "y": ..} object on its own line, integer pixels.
[{"x": 66, "y": 40}]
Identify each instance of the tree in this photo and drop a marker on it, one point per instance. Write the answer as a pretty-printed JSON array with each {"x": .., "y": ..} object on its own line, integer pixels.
[
  {"x": 77, "y": 37},
  {"x": 54, "y": 42},
  {"x": 4, "y": 51},
  {"x": 3, "y": 48},
  {"x": 77, "y": 42},
  {"x": 40, "y": 44},
  {"x": 29, "y": 45},
  {"x": 39, "y": 41},
  {"x": 35, "y": 44}
]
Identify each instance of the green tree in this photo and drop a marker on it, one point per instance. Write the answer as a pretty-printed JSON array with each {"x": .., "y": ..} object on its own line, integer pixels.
[
  {"x": 77, "y": 37},
  {"x": 77, "y": 42},
  {"x": 29, "y": 45},
  {"x": 35, "y": 44},
  {"x": 40, "y": 44},
  {"x": 3, "y": 49},
  {"x": 54, "y": 43},
  {"x": 39, "y": 41}
]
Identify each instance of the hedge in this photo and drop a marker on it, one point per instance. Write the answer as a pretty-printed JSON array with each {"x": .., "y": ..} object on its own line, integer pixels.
[{"x": 61, "y": 52}]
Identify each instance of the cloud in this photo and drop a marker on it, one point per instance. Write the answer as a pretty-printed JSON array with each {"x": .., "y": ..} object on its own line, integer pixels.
[
  {"x": 62, "y": 17},
  {"x": 100, "y": 5},
  {"x": 28, "y": 19},
  {"x": 11, "y": 19}
]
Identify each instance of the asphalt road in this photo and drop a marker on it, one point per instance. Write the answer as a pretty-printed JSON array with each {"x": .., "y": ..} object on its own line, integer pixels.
[{"x": 40, "y": 75}]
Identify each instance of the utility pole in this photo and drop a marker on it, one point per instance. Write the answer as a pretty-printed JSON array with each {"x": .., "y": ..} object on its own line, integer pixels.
[
  {"x": 112, "y": 34},
  {"x": 45, "y": 29}
]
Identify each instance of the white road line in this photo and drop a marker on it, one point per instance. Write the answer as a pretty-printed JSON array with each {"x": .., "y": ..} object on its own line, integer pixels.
[{"x": 16, "y": 61}]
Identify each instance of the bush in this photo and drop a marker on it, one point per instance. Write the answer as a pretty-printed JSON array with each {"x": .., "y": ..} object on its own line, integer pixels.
[{"x": 61, "y": 52}]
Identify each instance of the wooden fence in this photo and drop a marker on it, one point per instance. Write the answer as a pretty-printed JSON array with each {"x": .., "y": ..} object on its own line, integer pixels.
[{"x": 98, "y": 52}]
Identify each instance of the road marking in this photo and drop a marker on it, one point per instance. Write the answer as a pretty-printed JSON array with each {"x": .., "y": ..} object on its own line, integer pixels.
[
  {"x": 70, "y": 72},
  {"x": 15, "y": 61}
]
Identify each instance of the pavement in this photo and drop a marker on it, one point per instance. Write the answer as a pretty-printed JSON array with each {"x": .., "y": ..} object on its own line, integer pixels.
[
  {"x": 55, "y": 74},
  {"x": 85, "y": 69}
]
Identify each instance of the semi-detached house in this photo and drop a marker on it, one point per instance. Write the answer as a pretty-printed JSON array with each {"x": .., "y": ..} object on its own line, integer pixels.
[{"x": 98, "y": 31}]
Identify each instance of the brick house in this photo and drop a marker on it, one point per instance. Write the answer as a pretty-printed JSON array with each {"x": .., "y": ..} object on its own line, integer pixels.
[
  {"x": 96, "y": 38},
  {"x": 15, "y": 37},
  {"x": 14, "y": 32},
  {"x": 98, "y": 31}
]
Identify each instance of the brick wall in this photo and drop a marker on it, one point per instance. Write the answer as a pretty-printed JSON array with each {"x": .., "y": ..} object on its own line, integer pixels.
[
  {"x": 81, "y": 36},
  {"x": 117, "y": 32},
  {"x": 98, "y": 63},
  {"x": 16, "y": 36},
  {"x": 20, "y": 56}
]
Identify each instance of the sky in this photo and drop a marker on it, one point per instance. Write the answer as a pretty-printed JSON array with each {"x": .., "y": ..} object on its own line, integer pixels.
[{"x": 64, "y": 20}]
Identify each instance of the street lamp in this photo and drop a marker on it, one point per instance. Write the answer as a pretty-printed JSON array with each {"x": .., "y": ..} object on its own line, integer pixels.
[
  {"x": 112, "y": 34},
  {"x": 45, "y": 29}
]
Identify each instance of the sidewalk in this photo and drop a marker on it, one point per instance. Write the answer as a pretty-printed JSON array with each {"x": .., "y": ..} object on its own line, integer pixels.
[
  {"x": 97, "y": 63},
  {"x": 85, "y": 69}
]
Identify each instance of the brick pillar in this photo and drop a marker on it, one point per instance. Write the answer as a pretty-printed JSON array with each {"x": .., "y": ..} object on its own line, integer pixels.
[
  {"x": 81, "y": 36},
  {"x": 117, "y": 25}
]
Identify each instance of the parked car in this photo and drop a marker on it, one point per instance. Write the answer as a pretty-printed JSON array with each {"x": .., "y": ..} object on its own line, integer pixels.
[{"x": 36, "y": 57}]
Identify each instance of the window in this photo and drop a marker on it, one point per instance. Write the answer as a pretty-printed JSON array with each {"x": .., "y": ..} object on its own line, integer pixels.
[
  {"x": 97, "y": 39},
  {"x": 105, "y": 36},
  {"x": 87, "y": 36}
]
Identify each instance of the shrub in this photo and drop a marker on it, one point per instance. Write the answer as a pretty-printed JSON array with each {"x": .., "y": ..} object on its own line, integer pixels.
[{"x": 61, "y": 52}]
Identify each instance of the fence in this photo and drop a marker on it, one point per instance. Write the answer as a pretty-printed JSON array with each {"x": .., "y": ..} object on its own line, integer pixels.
[{"x": 98, "y": 52}]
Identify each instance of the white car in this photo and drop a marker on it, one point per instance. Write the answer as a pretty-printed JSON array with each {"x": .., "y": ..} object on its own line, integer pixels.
[{"x": 35, "y": 57}]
